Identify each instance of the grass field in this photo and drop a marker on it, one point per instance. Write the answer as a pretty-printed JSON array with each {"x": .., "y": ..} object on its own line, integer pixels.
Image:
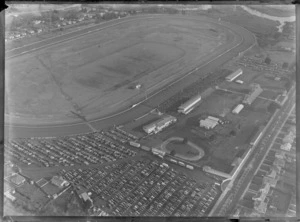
[
  {"x": 94, "y": 71},
  {"x": 275, "y": 10}
]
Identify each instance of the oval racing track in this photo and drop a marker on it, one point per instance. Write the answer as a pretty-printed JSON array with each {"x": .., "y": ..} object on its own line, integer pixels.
[{"x": 145, "y": 106}]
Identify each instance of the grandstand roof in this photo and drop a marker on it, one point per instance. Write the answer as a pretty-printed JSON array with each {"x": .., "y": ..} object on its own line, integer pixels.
[
  {"x": 159, "y": 122},
  {"x": 190, "y": 102},
  {"x": 235, "y": 74}
]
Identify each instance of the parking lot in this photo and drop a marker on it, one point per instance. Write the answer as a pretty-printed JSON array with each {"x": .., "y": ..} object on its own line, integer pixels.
[
  {"x": 144, "y": 187},
  {"x": 69, "y": 151}
]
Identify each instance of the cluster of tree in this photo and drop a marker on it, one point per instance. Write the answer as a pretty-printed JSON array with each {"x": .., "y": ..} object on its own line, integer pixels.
[
  {"x": 86, "y": 205},
  {"x": 266, "y": 40},
  {"x": 173, "y": 153},
  {"x": 71, "y": 15},
  {"x": 288, "y": 28},
  {"x": 232, "y": 133},
  {"x": 109, "y": 16},
  {"x": 153, "y": 9},
  {"x": 285, "y": 65},
  {"x": 288, "y": 85},
  {"x": 171, "y": 10},
  {"x": 132, "y": 12}
]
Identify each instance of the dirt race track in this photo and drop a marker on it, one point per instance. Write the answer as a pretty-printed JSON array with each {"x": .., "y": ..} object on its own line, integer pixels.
[{"x": 95, "y": 71}]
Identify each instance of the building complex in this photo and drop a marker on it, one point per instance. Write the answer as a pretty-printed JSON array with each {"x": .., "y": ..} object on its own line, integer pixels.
[
  {"x": 209, "y": 123},
  {"x": 255, "y": 92},
  {"x": 159, "y": 125}
]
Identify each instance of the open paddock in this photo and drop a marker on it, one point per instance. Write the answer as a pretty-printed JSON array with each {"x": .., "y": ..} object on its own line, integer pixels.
[
  {"x": 270, "y": 83},
  {"x": 219, "y": 103},
  {"x": 269, "y": 94},
  {"x": 281, "y": 201}
]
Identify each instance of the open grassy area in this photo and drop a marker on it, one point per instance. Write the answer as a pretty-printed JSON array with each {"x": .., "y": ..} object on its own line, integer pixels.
[
  {"x": 184, "y": 149},
  {"x": 281, "y": 201},
  {"x": 94, "y": 71},
  {"x": 275, "y": 10},
  {"x": 241, "y": 17},
  {"x": 270, "y": 83}
]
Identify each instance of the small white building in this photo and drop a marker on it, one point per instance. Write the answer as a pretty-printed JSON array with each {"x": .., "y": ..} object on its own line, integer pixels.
[
  {"x": 213, "y": 118},
  {"x": 8, "y": 195},
  {"x": 286, "y": 147},
  {"x": 209, "y": 123},
  {"x": 238, "y": 109},
  {"x": 234, "y": 75},
  {"x": 59, "y": 181}
]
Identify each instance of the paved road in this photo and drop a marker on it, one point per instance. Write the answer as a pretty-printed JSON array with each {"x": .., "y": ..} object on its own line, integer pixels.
[
  {"x": 14, "y": 131},
  {"x": 255, "y": 159}
]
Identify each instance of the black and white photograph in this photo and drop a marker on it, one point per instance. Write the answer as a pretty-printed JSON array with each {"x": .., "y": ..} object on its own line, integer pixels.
[{"x": 149, "y": 110}]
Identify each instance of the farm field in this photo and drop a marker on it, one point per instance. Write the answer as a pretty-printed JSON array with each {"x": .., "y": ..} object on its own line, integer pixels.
[{"x": 95, "y": 71}]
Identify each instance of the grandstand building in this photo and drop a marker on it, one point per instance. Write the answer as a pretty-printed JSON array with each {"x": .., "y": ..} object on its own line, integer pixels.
[
  {"x": 189, "y": 105},
  {"x": 234, "y": 75},
  {"x": 159, "y": 125},
  {"x": 256, "y": 91}
]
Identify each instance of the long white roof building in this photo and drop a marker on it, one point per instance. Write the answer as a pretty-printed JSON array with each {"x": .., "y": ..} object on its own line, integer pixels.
[
  {"x": 238, "y": 109},
  {"x": 159, "y": 124},
  {"x": 256, "y": 91},
  {"x": 189, "y": 104},
  {"x": 234, "y": 75}
]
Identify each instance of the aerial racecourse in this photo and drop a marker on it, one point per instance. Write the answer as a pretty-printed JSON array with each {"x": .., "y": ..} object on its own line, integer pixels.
[{"x": 87, "y": 79}]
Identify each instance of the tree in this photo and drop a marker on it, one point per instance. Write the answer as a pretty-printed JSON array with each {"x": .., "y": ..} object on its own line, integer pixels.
[
  {"x": 268, "y": 60},
  {"x": 70, "y": 15},
  {"x": 185, "y": 140},
  {"x": 232, "y": 133},
  {"x": 288, "y": 85},
  {"x": 272, "y": 107},
  {"x": 173, "y": 153},
  {"x": 285, "y": 65},
  {"x": 109, "y": 16},
  {"x": 84, "y": 10}
]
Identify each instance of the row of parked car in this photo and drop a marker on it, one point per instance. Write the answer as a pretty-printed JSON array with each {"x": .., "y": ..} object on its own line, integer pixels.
[
  {"x": 67, "y": 151},
  {"x": 144, "y": 187}
]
